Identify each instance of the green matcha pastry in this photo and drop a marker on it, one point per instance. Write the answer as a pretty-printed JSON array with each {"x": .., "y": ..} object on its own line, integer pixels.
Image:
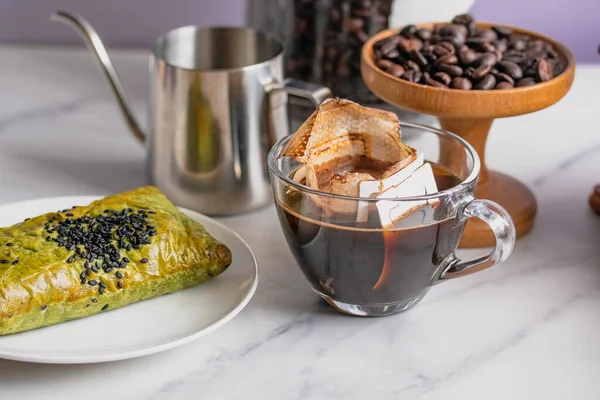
[{"x": 116, "y": 251}]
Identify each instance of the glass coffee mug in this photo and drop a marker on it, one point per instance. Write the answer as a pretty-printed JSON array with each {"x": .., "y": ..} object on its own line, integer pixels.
[{"x": 361, "y": 268}]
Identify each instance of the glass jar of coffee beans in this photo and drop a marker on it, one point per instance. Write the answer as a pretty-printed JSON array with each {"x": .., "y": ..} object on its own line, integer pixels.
[
  {"x": 327, "y": 39},
  {"x": 323, "y": 41}
]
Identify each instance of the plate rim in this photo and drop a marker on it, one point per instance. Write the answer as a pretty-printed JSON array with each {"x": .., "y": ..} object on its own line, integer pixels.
[{"x": 130, "y": 354}]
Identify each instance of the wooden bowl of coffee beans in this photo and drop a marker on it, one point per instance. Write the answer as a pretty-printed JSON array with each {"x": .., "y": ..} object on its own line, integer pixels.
[{"x": 467, "y": 74}]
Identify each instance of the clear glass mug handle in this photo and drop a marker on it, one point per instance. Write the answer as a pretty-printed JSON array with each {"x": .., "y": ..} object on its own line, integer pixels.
[{"x": 503, "y": 227}]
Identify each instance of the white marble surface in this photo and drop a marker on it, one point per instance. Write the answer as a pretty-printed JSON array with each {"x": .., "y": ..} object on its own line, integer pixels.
[{"x": 526, "y": 330}]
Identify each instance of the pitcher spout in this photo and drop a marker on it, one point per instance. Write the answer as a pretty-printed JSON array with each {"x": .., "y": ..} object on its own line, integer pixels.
[{"x": 90, "y": 36}]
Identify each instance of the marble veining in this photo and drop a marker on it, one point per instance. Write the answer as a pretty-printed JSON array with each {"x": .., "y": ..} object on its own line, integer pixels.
[
  {"x": 525, "y": 330},
  {"x": 48, "y": 112}
]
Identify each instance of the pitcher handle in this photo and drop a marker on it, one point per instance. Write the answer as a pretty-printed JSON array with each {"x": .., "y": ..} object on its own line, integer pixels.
[
  {"x": 89, "y": 34},
  {"x": 503, "y": 227},
  {"x": 305, "y": 90}
]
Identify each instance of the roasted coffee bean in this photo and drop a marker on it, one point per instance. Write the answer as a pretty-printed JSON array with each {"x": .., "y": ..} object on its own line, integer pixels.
[
  {"x": 408, "y": 45},
  {"x": 485, "y": 59},
  {"x": 463, "y": 19},
  {"x": 502, "y": 77},
  {"x": 452, "y": 31},
  {"x": 412, "y": 65},
  {"x": 448, "y": 46},
  {"x": 504, "y": 85},
  {"x": 488, "y": 35},
  {"x": 475, "y": 42},
  {"x": 435, "y": 39},
  {"x": 481, "y": 72},
  {"x": 408, "y": 31},
  {"x": 412, "y": 76},
  {"x": 461, "y": 83},
  {"x": 498, "y": 55},
  {"x": 469, "y": 73},
  {"x": 385, "y": 64},
  {"x": 529, "y": 67},
  {"x": 432, "y": 82},
  {"x": 514, "y": 56},
  {"x": 525, "y": 82},
  {"x": 443, "y": 77},
  {"x": 544, "y": 70},
  {"x": 511, "y": 69},
  {"x": 396, "y": 70},
  {"x": 486, "y": 83},
  {"x": 501, "y": 45},
  {"x": 502, "y": 32},
  {"x": 419, "y": 58},
  {"x": 487, "y": 47},
  {"x": 447, "y": 59},
  {"x": 431, "y": 57},
  {"x": 518, "y": 45},
  {"x": 452, "y": 70},
  {"x": 388, "y": 44},
  {"x": 423, "y": 34},
  {"x": 467, "y": 56},
  {"x": 455, "y": 40},
  {"x": 558, "y": 67},
  {"x": 440, "y": 50}
]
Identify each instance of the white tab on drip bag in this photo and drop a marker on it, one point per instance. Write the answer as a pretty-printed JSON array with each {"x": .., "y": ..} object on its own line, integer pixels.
[
  {"x": 420, "y": 183},
  {"x": 370, "y": 188}
]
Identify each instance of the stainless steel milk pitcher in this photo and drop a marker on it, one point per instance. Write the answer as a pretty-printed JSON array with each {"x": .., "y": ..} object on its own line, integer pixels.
[{"x": 218, "y": 102}]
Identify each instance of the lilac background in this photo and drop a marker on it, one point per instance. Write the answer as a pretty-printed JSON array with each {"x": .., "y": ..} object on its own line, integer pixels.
[{"x": 127, "y": 23}]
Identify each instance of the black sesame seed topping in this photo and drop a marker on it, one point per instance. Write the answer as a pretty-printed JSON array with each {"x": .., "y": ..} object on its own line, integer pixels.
[
  {"x": 42, "y": 308},
  {"x": 83, "y": 281},
  {"x": 9, "y": 244},
  {"x": 101, "y": 238},
  {"x": 105, "y": 307},
  {"x": 101, "y": 290},
  {"x": 26, "y": 219},
  {"x": 15, "y": 262},
  {"x": 82, "y": 275},
  {"x": 93, "y": 282},
  {"x": 144, "y": 260},
  {"x": 94, "y": 300},
  {"x": 119, "y": 285},
  {"x": 102, "y": 285},
  {"x": 4, "y": 261},
  {"x": 119, "y": 275}
]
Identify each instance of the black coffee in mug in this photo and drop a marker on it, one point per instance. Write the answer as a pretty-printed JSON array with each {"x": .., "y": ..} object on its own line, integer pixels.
[
  {"x": 363, "y": 266},
  {"x": 363, "y": 263}
]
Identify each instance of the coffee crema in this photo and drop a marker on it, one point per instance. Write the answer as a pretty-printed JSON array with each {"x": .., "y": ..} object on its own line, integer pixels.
[{"x": 361, "y": 262}]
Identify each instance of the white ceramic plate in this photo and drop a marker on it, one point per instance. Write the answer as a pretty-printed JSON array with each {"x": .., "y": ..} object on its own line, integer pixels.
[{"x": 143, "y": 328}]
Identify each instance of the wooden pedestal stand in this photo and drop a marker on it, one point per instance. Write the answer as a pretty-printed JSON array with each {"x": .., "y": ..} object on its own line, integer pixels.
[{"x": 470, "y": 114}]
